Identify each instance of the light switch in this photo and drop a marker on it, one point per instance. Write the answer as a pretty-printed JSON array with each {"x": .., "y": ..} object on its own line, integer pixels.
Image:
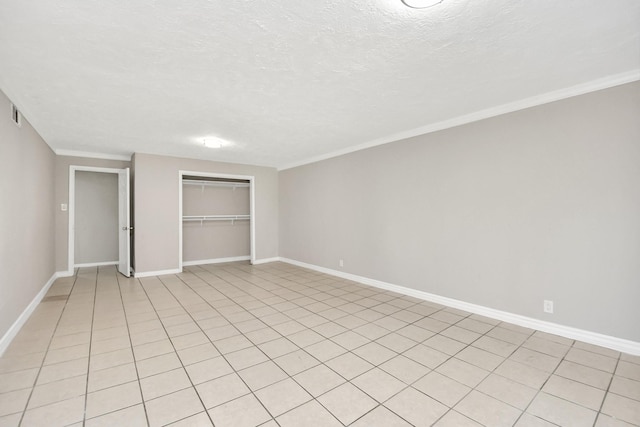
[{"x": 63, "y": 207}]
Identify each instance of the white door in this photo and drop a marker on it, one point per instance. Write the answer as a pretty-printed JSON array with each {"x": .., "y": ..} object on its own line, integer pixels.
[{"x": 124, "y": 222}]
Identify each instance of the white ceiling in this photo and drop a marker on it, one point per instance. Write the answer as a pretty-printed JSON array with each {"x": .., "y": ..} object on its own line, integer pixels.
[{"x": 289, "y": 81}]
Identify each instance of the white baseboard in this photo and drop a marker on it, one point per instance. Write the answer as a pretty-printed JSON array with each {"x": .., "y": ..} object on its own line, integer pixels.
[
  {"x": 266, "y": 260},
  {"x": 24, "y": 316},
  {"x": 618, "y": 344},
  {"x": 157, "y": 273},
  {"x": 216, "y": 260},
  {"x": 95, "y": 264}
]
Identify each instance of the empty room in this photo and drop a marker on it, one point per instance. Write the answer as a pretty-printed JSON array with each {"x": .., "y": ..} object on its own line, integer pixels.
[{"x": 377, "y": 213}]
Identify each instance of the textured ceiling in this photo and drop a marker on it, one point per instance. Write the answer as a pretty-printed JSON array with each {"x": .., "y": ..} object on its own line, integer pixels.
[{"x": 288, "y": 81}]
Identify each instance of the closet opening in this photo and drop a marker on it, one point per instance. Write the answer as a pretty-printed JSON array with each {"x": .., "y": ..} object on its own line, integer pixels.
[{"x": 217, "y": 218}]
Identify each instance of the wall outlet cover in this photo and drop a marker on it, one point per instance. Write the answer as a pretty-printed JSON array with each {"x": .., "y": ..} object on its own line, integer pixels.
[{"x": 548, "y": 306}]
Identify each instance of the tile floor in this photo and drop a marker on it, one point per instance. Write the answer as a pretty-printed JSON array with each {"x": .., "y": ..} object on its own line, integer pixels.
[{"x": 277, "y": 345}]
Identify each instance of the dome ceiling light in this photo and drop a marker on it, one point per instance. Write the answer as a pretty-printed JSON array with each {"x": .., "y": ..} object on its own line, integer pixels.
[{"x": 421, "y": 4}]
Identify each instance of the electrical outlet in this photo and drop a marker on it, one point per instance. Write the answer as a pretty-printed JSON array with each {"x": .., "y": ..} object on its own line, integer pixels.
[
  {"x": 63, "y": 207},
  {"x": 341, "y": 263},
  {"x": 548, "y": 306}
]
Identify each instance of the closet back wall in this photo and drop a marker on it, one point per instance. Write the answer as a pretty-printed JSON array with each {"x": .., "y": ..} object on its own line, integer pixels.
[
  {"x": 211, "y": 240},
  {"x": 96, "y": 217}
]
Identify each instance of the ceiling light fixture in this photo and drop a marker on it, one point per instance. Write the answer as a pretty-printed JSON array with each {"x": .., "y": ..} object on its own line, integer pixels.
[
  {"x": 213, "y": 142},
  {"x": 421, "y": 4}
]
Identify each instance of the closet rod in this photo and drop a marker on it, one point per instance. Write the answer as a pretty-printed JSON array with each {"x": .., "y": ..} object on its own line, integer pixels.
[
  {"x": 202, "y": 218},
  {"x": 215, "y": 183}
]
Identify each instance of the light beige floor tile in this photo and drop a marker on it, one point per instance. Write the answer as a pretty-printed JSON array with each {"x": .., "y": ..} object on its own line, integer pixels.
[
  {"x": 404, "y": 369},
  {"x": 296, "y": 362},
  {"x": 60, "y": 413},
  {"x": 283, "y": 396},
  {"x": 164, "y": 383},
  {"x": 310, "y": 414},
  {"x": 349, "y": 365},
  {"x": 350, "y": 340},
  {"x": 480, "y": 358},
  {"x": 262, "y": 375},
  {"x": 380, "y": 416},
  {"x": 198, "y": 353},
  {"x": 157, "y": 365},
  {"x": 68, "y": 353},
  {"x": 462, "y": 372},
  {"x": 325, "y": 350},
  {"x": 535, "y": 359},
  {"x": 507, "y": 335},
  {"x": 441, "y": 388},
  {"x": 158, "y": 348},
  {"x": 444, "y": 344},
  {"x": 198, "y": 420},
  {"x": 608, "y": 421},
  {"x": 625, "y": 387},
  {"x": 148, "y": 337},
  {"x": 426, "y": 356},
  {"x": 508, "y": 391},
  {"x": 415, "y": 333},
  {"x": 622, "y": 408},
  {"x": 416, "y": 407},
  {"x": 14, "y": 401},
  {"x": 495, "y": 346},
  {"x": 261, "y": 336},
  {"x": 230, "y": 344},
  {"x": 528, "y": 420},
  {"x": 209, "y": 369},
  {"x": 574, "y": 391},
  {"x": 375, "y": 353},
  {"x": 522, "y": 374},
  {"x": 110, "y": 359},
  {"x": 560, "y": 411},
  {"x": 347, "y": 403},
  {"x": 597, "y": 349},
  {"x": 396, "y": 342},
  {"x": 378, "y": 384},
  {"x": 630, "y": 358},
  {"x": 69, "y": 340},
  {"x": 112, "y": 399},
  {"x": 11, "y": 420},
  {"x": 456, "y": 419},
  {"x": 545, "y": 346},
  {"x": 109, "y": 345},
  {"x": 584, "y": 374},
  {"x": 245, "y": 358},
  {"x": 221, "y": 390},
  {"x": 173, "y": 407},
  {"x": 319, "y": 380},
  {"x": 592, "y": 360},
  {"x": 371, "y": 331},
  {"x": 487, "y": 410},
  {"x": 18, "y": 380},
  {"x": 20, "y": 363},
  {"x": 628, "y": 370},
  {"x": 131, "y": 416},
  {"x": 57, "y": 391},
  {"x": 110, "y": 377},
  {"x": 460, "y": 334},
  {"x": 245, "y": 411},
  {"x": 189, "y": 340}
]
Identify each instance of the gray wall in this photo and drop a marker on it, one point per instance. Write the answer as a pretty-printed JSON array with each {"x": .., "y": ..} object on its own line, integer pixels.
[
  {"x": 538, "y": 204},
  {"x": 156, "y": 200},
  {"x": 26, "y": 215},
  {"x": 215, "y": 239},
  {"x": 96, "y": 217},
  {"x": 62, "y": 196}
]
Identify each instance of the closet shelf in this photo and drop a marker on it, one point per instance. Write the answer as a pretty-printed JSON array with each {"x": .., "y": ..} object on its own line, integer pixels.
[
  {"x": 203, "y": 183},
  {"x": 202, "y": 218}
]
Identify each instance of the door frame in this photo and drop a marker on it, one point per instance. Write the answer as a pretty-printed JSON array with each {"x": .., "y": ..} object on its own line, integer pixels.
[
  {"x": 72, "y": 205},
  {"x": 252, "y": 210}
]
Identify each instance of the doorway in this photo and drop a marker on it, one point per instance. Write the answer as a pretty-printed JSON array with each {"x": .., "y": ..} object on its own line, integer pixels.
[{"x": 99, "y": 218}]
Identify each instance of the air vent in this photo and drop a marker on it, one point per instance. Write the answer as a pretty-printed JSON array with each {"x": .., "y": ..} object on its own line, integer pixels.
[{"x": 16, "y": 117}]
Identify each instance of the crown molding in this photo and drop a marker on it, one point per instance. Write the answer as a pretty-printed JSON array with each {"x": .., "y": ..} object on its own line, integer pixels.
[
  {"x": 545, "y": 98},
  {"x": 92, "y": 155}
]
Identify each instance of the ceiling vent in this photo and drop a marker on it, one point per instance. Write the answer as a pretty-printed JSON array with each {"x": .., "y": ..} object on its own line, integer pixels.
[{"x": 16, "y": 117}]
